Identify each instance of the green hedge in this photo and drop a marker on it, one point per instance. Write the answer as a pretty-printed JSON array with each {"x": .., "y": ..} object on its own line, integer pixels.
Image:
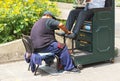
[
  {"x": 18, "y": 16},
  {"x": 66, "y": 1},
  {"x": 117, "y": 3}
]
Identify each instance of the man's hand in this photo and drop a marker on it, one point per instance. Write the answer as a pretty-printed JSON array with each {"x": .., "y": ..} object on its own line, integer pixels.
[{"x": 61, "y": 26}]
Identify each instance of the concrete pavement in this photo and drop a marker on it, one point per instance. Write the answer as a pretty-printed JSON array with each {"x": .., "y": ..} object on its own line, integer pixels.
[{"x": 17, "y": 71}]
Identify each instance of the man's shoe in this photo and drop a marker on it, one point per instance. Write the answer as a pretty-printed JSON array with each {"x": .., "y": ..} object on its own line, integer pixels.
[
  {"x": 75, "y": 70},
  {"x": 60, "y": 33},
  {"x": 71, "y": 36}
]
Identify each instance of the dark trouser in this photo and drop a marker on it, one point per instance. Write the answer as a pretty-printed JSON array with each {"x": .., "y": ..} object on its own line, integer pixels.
[
  {"x": 72, "y": 17},
  {"x": 63, "y": 52},
  {"x": 78, "y": 15}
]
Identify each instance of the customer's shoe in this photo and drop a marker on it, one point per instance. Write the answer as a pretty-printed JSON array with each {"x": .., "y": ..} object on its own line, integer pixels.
[
  {"x": 60, "y": 33},
  {"x": 75, "y": 70},
  {"x": 71, "y": 36}
]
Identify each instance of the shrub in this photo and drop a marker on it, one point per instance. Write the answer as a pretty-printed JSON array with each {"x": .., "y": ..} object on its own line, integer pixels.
[
  {"x": 18, "y": 16},
  {"x": 117, "y": 3},
  {"x": 66, "y": 1}
]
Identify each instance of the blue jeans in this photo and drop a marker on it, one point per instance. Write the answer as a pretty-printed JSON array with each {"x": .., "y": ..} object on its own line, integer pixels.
[
  {"x": 62, "y": 52},
  {"x": 78, "y": 16}
]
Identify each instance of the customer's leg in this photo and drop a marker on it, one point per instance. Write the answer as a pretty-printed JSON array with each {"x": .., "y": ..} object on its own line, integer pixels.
[
  {"x": 83, "y": 15},
  {"x": 72, "y": 17}
]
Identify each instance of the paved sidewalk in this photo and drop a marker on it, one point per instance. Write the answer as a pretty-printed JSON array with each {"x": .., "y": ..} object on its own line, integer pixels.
[
  {"x": 100, "y": 72},
  {"x": 17, "y": 71}
]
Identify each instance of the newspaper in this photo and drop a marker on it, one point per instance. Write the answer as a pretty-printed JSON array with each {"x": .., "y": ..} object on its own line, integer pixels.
[{"x": 81, "y": 3}]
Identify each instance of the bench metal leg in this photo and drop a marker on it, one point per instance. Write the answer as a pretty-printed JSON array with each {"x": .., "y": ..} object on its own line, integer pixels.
[
  {"x": 58, "y": 61},
  {"x": 58, "y": 65},
  {"x": 72, "y": 45},
  {"x": 64, "y": 40},
  {"x": 29, "y": 67},
  {"x": 36, "y": 69}
]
